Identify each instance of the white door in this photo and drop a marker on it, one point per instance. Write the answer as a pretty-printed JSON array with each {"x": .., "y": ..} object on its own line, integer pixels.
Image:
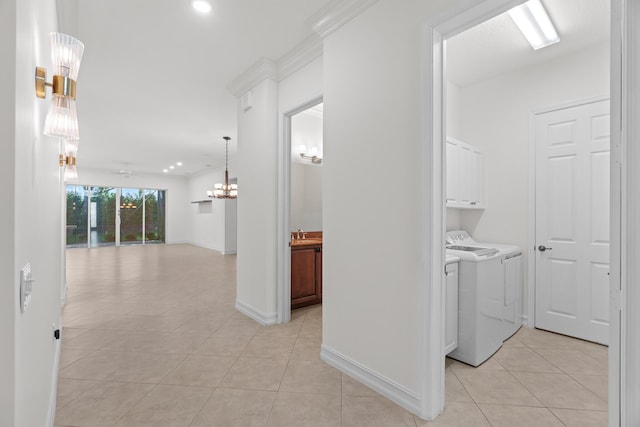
[{"x": 572, "y": 221}]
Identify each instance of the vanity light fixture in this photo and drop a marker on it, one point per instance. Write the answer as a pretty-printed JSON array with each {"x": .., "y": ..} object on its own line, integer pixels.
[
  {"x": 534, "y": 23},
  {"x": 226, "y": 190},
  {"x": 62, "y": 118},
  {"x": 312, "y": 155}
]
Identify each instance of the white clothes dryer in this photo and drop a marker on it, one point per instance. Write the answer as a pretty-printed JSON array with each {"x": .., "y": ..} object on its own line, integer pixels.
[{"x": 490, "y": 281}]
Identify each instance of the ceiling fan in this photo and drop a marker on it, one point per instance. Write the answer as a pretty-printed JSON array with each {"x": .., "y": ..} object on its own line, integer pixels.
[{"x": 124, "y": 171}]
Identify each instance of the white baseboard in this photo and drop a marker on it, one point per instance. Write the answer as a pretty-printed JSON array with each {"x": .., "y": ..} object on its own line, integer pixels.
[
  {"x": 260, "y": 317},
  {"x": 233, "y": 252},
  {"x": 53, "y": 394},
  {"x": 386, "y": 387},
  {"x": 525, "y": 321}
]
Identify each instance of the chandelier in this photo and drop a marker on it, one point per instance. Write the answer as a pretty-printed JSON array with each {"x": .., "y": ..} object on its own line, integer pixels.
[{"x": 226, "y": 190}]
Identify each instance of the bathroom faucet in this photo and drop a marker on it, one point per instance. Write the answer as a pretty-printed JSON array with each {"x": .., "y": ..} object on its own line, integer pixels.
[{"x": 303, "y": 234}]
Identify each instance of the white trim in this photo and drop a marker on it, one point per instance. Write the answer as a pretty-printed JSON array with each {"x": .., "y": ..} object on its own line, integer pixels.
[
  {"x": 233, "y": 252},
  {"x": 301, "y": 55},
  {"x": 262, "y": 69},
  {"x": 386, "y": 387},
  {"x": 531, "y": 226},
  {"x": 283, "y": 255},
  {"x": 336, "y": 14},
  {"x": 53, "y": 393},
  {"x": 626, "y": 14},
  {"x": 456, "y": 19},
  {"x": 433, "y": 211},
  {"x": 265, "y": 319}
]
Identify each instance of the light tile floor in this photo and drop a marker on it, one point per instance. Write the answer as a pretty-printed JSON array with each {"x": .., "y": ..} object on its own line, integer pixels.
[{"x": 151, "y": 338}]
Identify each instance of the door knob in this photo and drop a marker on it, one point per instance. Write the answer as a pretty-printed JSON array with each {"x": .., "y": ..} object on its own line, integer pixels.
[{"x": 543, "y": 248}]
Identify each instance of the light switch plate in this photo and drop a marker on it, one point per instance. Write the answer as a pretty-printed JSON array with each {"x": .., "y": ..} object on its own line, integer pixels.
[{"x": 26, "y": 284}]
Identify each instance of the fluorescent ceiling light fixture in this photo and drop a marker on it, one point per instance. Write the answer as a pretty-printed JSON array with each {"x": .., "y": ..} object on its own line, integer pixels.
[
  {"x": 534, "y": 23},
  {"x": 202, "y": 6},
  {"x": 165, "y": 170},
  {"x": 172, "y": 167},
  {"x": 179, "y": 163}
]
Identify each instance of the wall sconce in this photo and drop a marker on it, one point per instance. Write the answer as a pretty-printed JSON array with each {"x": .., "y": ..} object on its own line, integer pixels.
[
  {"x": 62, "y": 118},
  {"x": 68, "y": 160},
  {"x": 313, "y": 155}
]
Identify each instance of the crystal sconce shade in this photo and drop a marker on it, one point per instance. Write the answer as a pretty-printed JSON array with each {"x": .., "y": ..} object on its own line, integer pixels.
[
  {"x": 62, "y": 118},
  {"x": 66, "y": 54}
]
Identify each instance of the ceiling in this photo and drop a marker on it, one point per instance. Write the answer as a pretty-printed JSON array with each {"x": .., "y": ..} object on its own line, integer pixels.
[
  {"x": 152, "y": 88},
  {"x": 152, "y": 84},
  {"x": 497, "y": 46}
]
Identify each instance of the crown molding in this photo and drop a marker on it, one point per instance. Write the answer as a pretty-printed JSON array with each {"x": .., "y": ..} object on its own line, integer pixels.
[
  {"x": 328, "y": 19},
  {"x": 337, "y": 13},
  {"x": 303, "y": 54},
  {"x": 263, "y": 69}
]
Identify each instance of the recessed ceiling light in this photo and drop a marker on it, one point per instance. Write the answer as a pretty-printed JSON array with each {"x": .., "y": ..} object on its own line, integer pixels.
[
  {"x": 172, "y": 167},
  {"x": 535, "y": 24},
  {"x": 202, "y": 6},
  {"x": 165, "y": 170},
  {"x": 179, "y": 163}
]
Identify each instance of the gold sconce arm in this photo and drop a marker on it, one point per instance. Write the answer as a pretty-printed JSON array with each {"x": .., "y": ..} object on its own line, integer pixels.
[
  {"x": 61, "y": 85},
  {"x": 67, "y": 160}
]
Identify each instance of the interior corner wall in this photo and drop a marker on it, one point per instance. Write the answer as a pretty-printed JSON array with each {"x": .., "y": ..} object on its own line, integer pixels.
[
  {"x": 32, "y": 212},
  {"x": 257, "y": 208},
  {"x": 375, "y": 267},
  {"x": 495, "y": 117},
  {"x": 177, "y": 209}
]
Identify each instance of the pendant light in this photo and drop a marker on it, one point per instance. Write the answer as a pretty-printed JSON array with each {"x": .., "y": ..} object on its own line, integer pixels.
[{"x": 226, "y": 190}]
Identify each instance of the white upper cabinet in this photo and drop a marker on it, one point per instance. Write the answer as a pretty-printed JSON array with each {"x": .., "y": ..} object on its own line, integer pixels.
[{"x": 464, "y": 175}]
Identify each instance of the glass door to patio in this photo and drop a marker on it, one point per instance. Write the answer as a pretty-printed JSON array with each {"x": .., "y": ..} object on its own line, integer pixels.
[{"x": 107, "y": 216}]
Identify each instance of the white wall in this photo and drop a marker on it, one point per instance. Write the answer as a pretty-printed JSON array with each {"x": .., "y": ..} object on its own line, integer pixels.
[
  {"x": 259, "y": 133},
  {"x": 374, "y": 255},
  {"x": 306, "y": 197},
  {"x": 454, "y": 130},
  {"x": 8, "y": 291},
  {"x": 207, "y": 221},
  {"x": 257, "y": 201},
  {"x": 31, "y": 220},
  {"x": 177, "y": 209},
  {"x": 306, "y": 129},
  {"x": 495, "y": 117}
]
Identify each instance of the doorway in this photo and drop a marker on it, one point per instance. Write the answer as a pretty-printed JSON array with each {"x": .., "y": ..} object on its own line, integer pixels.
[
  {"x": 447, "y": 26},
  {"x": 572, "y": 204},
  {"x": 301, "y": 158}
]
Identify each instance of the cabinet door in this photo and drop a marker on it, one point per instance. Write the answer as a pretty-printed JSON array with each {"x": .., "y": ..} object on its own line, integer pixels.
[
  {"x": 513, "y": 281},
  {"x": 319, "y": 274},
  {"x": 477, "y": 186},
  {"x": 467, "y": 174},
  {"x": 451, "y": 308},
  {"x": 306, "y": 277},
  {"x": 452, "y": 173}
]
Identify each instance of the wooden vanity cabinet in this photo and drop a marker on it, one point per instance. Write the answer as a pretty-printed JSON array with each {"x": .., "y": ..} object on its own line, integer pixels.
[{"x": 306, "y": 276}]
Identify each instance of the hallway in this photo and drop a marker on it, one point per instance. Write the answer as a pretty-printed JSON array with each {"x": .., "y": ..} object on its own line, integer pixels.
[{"x": 151, "y": 338}]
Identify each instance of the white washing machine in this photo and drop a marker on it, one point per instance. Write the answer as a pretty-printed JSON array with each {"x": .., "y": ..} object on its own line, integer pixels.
[{"x": 490, "y": 282}]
